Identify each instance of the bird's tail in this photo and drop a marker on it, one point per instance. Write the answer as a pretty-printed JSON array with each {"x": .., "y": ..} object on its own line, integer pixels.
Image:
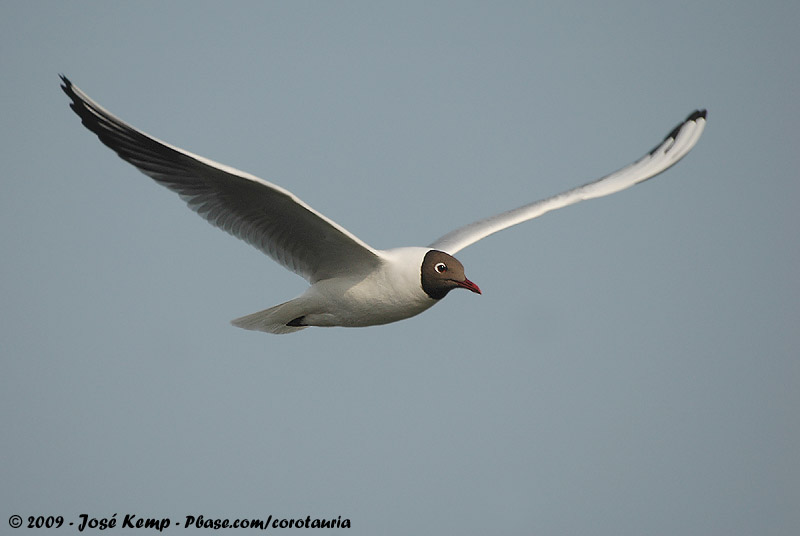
[{"x": 283, "y": 318}]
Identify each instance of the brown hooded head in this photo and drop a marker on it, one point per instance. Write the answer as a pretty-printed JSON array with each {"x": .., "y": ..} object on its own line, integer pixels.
[{"x": 441, "y": 273}]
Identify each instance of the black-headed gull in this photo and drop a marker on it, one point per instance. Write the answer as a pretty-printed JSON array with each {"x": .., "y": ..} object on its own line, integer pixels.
[{"x": 352, "y": 284}]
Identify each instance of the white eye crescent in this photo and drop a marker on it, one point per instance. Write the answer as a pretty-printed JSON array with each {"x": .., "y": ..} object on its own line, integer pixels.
[{"x": 440, "y": 267}]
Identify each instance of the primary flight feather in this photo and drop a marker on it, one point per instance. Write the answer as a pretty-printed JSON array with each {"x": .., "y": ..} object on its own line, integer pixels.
[{"x": 352, "y": 284}]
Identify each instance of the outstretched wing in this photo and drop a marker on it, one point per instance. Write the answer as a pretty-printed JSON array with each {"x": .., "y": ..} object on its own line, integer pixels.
[
  {"x": 666, "y": 154},
  {"x": 260, "y": 213}
]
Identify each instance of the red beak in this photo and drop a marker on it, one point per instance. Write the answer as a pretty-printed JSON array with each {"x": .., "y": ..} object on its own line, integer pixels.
[{"x": 469, "y": 285}]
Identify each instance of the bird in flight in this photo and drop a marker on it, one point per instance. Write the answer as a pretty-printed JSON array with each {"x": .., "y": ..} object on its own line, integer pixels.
[{"x": 352, "y": 283}]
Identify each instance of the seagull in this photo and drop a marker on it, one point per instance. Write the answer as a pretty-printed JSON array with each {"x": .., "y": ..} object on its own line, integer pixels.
[{"x": 352, "y": 283}]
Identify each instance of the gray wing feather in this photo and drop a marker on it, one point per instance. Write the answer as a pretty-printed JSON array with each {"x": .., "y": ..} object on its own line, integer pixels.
[
  {"x": 262, "y": 214},
  {"x": 666, "y": 154}
]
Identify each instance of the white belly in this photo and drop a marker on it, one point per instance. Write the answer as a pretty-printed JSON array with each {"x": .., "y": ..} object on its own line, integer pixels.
[{"x": 384, "y": 296}]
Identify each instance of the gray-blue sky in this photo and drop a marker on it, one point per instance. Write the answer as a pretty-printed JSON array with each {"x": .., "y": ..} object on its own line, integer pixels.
[{"x": 632, "y": 367}]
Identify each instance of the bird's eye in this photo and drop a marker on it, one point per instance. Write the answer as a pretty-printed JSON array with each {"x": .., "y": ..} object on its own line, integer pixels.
[{"x": 440, "y": 267}]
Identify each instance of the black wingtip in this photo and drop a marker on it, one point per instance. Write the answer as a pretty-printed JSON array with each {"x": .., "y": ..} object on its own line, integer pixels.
[
  {"x": 66, "y": 87},
  {"x": 78, "y": 105},
  {"x": 697, "y": 114},
  {"x": 694, "y": 116}
]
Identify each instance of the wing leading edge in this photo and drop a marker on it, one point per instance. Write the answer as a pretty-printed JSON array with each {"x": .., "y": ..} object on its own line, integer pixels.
[
  {"x": 666, "y": 154},
  {"x": 262, "y": 214}
]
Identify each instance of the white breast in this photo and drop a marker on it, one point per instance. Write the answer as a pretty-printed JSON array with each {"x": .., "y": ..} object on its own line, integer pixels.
[{"x": 388, "y": 294}]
